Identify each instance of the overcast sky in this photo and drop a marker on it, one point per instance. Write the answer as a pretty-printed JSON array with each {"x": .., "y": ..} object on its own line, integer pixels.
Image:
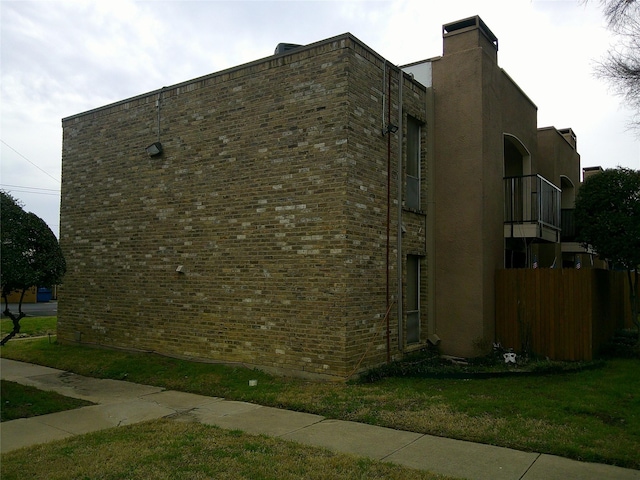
[{"x": 59, "y": 58}]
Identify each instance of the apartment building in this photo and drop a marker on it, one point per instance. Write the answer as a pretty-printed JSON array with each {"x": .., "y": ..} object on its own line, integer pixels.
[{"x": 319, "y": 211}]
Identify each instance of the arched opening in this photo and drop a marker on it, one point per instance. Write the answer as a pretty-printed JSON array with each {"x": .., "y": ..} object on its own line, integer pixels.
[
  {"x": 517, "y": 166},
  {"x": 517, "y": 159},
  {"x": 568, "y": 196}
]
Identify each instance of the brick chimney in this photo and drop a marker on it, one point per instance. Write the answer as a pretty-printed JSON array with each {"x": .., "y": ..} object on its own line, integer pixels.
[{"x": 469, "y": 33}]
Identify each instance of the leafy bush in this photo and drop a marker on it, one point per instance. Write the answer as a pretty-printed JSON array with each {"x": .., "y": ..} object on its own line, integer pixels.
[
  {"x": 624, "y": 344},
  {"x": 430, "y": 364}
]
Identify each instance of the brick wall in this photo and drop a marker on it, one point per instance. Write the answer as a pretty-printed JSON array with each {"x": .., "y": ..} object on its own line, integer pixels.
[{"x": 271, "y": 193}]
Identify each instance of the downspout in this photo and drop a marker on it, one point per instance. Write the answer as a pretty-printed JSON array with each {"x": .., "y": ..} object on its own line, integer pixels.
[
  {"x": 400, "y": 182},
  {"x": 158, "y": 106},
  {"x": 388, "y": 113},
  {"x": 431, "y": 216}
]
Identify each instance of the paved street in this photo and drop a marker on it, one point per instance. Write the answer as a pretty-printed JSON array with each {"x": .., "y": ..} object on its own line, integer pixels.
[{"x": 42, "y": 309}]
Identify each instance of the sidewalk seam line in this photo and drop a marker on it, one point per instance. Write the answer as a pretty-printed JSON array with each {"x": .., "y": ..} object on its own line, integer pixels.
[
  {"x": 529, "y": 467},
  {"x": 403, "y": 447},
  {"x": 300, "y": 428}
]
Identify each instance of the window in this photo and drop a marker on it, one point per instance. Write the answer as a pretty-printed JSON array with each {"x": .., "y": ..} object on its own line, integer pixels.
[
  {"x": 413, "y": 298},
  {"x": 413, "y": 163}
]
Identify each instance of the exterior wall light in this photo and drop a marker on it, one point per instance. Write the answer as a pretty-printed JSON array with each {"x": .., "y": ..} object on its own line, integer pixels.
[
  {"x": 391, "y": 128},
  {"x": 154, "y": 149}
]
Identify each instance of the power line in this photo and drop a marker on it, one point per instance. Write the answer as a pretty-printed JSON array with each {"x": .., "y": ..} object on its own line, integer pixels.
[
  {"x": 30, "y": 188},
  {"x": 37, "y": 193},
  {"x": 43, "y": 171}
]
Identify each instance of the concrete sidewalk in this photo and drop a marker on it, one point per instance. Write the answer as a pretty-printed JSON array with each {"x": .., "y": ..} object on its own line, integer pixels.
[{"x": 124, "y": 403}]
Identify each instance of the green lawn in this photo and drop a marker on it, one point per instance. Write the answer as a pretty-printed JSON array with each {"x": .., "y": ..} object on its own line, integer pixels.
[
  {"x": 172, "y": 450},
  {"x": 21, "y": 401},
  {"x": 591, "y": 415},
  {"x": 30, "y": 326}
]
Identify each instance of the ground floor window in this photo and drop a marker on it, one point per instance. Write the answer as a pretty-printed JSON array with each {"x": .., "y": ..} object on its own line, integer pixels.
[{"x": 413, "y": 299}]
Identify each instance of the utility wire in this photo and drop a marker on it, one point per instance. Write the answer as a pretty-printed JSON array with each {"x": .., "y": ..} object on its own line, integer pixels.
[
  {"x": 30, "y": 188},
  {"x": 43, "y": 171},
  {"x": 39, "y": 193}
]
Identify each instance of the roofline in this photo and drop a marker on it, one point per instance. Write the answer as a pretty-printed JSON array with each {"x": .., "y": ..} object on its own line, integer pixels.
[
  {"x": 420, "y": 62},
  {"x": 302, "y": 48},
  {"x": 560, "y": 132},
  {"x": 515, "y": 84}
]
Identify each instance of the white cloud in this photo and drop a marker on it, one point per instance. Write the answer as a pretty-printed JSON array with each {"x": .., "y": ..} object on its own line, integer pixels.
[{"x": 60, "y": 58}]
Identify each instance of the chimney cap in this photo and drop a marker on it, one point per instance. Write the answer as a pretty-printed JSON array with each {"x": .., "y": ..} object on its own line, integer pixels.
[{"x": 467, "y": 24}]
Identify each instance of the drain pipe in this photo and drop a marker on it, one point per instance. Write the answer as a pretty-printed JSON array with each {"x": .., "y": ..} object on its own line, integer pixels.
[
  {"x": 159, "y": 102},
  {"x": 388, "y": 223},
  {"x": 400, "y": 183}
]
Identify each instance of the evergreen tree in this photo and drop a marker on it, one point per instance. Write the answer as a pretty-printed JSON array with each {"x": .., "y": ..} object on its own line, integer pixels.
[
  {"x": 30, "y": 255},
  {"x": 607, "y": 215}
]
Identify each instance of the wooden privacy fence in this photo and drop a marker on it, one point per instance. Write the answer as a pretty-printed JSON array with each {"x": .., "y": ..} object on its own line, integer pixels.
[{"x": 563, "y": 314}]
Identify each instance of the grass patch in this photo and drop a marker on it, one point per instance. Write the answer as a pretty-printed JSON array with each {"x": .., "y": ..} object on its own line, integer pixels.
[
  {"x": 590, "y": 415},
  {"x": 30, "y": 326},
  {"x": 150, "y": 369},
  {"x": 21, "y": 401},
  {"x": 166, "y": 449}
]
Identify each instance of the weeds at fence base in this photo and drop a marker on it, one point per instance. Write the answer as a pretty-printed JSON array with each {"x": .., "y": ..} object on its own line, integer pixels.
[{"x": 429, "y": 363}]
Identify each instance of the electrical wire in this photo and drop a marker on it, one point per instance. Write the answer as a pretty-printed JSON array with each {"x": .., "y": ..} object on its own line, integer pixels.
[
  {"x": 30, "y": 188},
  {"x": 35, "y": 190},
  {"x": 42, "y": 170},
  {"x": 37, "y": 193}
]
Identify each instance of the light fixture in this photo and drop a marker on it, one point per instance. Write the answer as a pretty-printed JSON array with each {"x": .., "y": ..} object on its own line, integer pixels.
[
  {"x": 154, "y": 149},
  {"x": 391, "y": 128}
]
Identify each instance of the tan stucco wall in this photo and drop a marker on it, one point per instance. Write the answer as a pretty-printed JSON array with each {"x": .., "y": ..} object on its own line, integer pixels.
[
  {"x": 476, "y": 103},
  {"x": 558, "y": 157}
]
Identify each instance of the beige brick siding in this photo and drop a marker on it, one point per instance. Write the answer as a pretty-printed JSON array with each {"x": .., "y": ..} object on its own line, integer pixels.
[{"x": 271, "y": 193}]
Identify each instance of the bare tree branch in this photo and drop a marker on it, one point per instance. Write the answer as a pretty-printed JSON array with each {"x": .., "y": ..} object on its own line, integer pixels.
[
  {"x": 621, "y": 66},
  {"x": 619, "y": 12}
]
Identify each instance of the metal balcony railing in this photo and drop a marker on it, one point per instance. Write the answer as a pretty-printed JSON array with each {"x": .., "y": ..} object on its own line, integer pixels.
[{"x": 532, "y": 201}]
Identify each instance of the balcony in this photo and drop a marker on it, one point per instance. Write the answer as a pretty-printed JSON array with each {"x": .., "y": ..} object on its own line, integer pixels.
[
  {"x": 569, "y": 234},
  {"x": 568, "y": 223},
  {"x": 532, "y": 208}
]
